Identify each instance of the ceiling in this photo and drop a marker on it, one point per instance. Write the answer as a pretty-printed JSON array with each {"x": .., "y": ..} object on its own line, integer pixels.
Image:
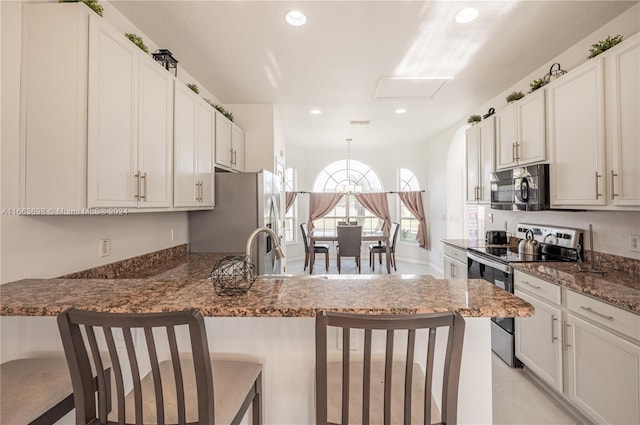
[{"x": 244, "y": 52}]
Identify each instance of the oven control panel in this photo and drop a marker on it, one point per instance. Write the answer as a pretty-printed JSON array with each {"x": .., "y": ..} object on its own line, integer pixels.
[{"x": 558, "y": 236}]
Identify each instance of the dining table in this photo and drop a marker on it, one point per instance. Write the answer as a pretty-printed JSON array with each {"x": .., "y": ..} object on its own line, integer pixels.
[{"x": 331, "y": 235}]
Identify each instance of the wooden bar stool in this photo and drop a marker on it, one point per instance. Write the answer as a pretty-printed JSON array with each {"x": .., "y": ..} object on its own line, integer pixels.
[
  {"x": 35, "y": 390},
  {"x": 181, "y": 387}
]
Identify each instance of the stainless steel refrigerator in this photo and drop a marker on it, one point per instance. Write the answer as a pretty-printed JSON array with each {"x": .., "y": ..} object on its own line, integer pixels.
[{"x": 243, "y": 202}]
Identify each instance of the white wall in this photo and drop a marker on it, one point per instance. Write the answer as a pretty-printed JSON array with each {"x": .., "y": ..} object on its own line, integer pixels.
[
  {"x": 257, "y": 121},
  {"x": 611, "y": 228},
  {"x": 51, "y": 246}
]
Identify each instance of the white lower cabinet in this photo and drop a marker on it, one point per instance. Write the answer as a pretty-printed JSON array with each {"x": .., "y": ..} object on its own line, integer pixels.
[
  {"x": 585, "y": 349},
  {"x": 603, "y": 373},
  {"x": 538, "y": 343},
  {"x": 455, "y": 262}
]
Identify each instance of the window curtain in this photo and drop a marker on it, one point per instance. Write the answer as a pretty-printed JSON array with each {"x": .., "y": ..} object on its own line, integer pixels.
[
  {"x": 413, "y": 202},
  {"x": 290, "y": 198},
  {"x": 377, "y": 204},
  {"x": 320, "y": 204}
]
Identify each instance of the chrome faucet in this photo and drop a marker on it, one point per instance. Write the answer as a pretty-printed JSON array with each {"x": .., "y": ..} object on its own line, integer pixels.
[{"x": 276, "y": 247}]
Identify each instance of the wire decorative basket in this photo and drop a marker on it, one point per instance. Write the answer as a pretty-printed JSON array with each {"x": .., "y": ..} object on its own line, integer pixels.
[{"x": 233, "y": 275}]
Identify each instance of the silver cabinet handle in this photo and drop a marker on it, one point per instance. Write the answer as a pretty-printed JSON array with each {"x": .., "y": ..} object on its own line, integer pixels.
[
  {"x": 517, "y": 157},
  {"x": 597, "y": 185},
  {"x": 198, "y": 198},
  {"x": 530, "y": 284},
  {"x": 143, "y": 195},
  {"x": 137, "y": 176},
  {"x": 613, "y": 190},
  {"x": 231, "y": 154},
  {"x": 566, "y": 336},
  {"x": 513, "y": 152},
  {"x": 553, "y": 329},
  {"x": 597, "y": 313}
]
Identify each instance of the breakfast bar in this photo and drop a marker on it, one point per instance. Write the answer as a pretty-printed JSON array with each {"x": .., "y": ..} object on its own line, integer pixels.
[{"x": 273, "y": 321}]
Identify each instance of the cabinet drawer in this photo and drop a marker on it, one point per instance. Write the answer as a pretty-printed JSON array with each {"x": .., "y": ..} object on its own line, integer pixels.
[
  {"x": 456, "y": 253},
  {"x": 605, "y": 314},
  {"x": 541, "y": 288}
]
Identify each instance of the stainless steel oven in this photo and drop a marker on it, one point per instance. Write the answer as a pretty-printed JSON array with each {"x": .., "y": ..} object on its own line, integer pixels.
[
  {"x": 502, "y": 329},
  {"x": 493, "y": 263}
]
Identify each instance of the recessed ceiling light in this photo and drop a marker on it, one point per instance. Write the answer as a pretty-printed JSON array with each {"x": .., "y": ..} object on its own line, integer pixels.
[
  {"x": 296, "y": 18},
  {"x": 401, "y": 111},
  {"x": 467, "y": 15},
  {"x": 315, "y": 112}
]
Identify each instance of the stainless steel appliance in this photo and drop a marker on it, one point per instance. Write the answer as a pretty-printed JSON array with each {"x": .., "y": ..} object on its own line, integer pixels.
[
  {"x": 243, "y": 202},
  {"x": 521, "y": 189},
  {"x": 492, "y": 262}
]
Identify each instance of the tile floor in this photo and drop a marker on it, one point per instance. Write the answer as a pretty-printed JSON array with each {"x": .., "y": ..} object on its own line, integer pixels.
[{"x": 517, "y": 399}]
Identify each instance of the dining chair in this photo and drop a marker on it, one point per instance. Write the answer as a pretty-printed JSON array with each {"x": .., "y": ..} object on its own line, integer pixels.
[
  {"x": 381, "y": 248},
  {"x": 318, "y": 248},
  {"x": 349, "y": 244},
  {"x": 390, "y": 388},
  {"x": 180, "y": 388}
]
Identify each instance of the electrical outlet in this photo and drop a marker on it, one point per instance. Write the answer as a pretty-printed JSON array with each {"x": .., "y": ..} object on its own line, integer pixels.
[
  {"x": 634, "y": 243},
  {"x": 105, "y": 247},
  {"x": 490, "y": 217},
  {"x": 174, "y": 234}
]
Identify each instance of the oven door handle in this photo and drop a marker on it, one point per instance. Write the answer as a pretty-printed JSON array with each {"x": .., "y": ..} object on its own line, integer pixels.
[{"x": 502, "y": 267}]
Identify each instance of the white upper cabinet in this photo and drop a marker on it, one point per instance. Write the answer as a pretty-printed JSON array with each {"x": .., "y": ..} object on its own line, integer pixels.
[
  {"x": 130, "y": 124},
  {"x": 520, "y": 132},
  {"x": 224, "y": 151},
  {"x": 576, "y": 136},
  {"x": 229, "y": 144},
  {"x": 623, "y": 103},
  {"x": 480, "y": 140},
  {"x": 96, "y": 128},
  {"x": 194, "y": 140},
  {"x": 237, "y": 148}
]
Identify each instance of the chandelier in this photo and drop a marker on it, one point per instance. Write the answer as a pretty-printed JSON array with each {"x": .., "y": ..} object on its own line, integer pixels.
[{"x": 350, "y": 187}]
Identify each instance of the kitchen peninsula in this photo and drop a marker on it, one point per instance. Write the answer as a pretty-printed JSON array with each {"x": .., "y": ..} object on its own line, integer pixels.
[{"x": 274, "y": 320}]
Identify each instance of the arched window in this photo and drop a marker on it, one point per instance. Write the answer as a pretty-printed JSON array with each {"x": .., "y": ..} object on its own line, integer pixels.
[
  {"x": 357, "y": 177},
  {"x": 407, "y": 181},
  {"x": 291, "y": 216}
]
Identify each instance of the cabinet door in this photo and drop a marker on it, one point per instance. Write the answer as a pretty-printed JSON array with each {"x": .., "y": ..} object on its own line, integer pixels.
[
  {"x": 506, "y": 136},
  {"x": 205, "y": 130},
  {"x": 603, "y": 373},
  {"x": 473, "y": 162},
  {"x": 538, "y": 343},
  {"x": 531, "y": 132},
  {"x": 112, "y": 149},
  {"x": 155, "y": 135},
  {"x": 184, "y": 191},
  {"x": 237, "y": 145},
  {"x": 625, "y": 106},
  {"x": 223, "y": 140},
  {"x": 487, "y": 158},
  {"x": 576, "y": 136}
]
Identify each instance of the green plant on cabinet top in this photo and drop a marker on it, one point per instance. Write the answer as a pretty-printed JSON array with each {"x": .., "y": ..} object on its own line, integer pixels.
[
  {"x": 137, "y": 40},
  {"x": 536, "y": 84},
  {"x": 514, "y": 96},
  {"x": 93, "y": 4},
  {"x": 193, "y": 87},
  {"x": 603, "y": 45},
  {"x": 221, "y": 109},
  {"x": 474, "y": 119}
]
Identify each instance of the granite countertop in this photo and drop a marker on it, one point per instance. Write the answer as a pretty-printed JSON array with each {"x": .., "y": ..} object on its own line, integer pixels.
[
  {"x": 187, "y": 285},
  {"x": 619, "y": 287}
]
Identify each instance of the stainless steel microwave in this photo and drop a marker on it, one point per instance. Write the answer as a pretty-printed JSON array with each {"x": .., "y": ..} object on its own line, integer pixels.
[{"x": 521, "y": 189}]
